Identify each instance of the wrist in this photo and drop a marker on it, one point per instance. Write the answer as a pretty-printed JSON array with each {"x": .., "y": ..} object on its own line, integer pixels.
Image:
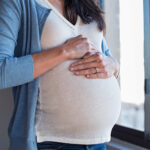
[{"x": 63, "y": 52}]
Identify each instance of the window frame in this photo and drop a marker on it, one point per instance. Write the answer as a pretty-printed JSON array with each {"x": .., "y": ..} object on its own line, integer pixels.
[
  {"x": 147, "y": 66},
  {"x": 132, "y": 136}
]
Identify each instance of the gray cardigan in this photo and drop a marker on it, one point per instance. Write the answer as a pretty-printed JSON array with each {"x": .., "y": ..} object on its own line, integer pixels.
[{"x": 21, "y": 25}]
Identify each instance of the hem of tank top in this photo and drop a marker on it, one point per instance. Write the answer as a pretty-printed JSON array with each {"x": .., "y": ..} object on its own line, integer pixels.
[{"x": 75, "y": 141}]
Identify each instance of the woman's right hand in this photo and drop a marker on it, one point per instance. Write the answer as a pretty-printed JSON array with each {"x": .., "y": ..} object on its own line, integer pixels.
[{"x": 77, "y": 47}]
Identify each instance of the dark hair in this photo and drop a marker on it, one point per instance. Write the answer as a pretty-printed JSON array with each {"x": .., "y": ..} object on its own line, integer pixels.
[{"x": 88, "y": 10}]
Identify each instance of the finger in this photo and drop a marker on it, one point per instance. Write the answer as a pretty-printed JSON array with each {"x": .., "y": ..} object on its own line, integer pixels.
[
  {"x": 92, "y": 50},
  {"x": 101, "y": 70},
  {"x": 80, "y": 36},
  {"x": 85, "y": 72},
  {"x": 86, "y": 66},
  {"x": 87, "y": 60},
  {"x": 97, "y": 76},
  {"x": 87, "y": 55},
  {"x": 90, "y": 53},
  {"x": 92, "y": 45},
  {"x": 89, "y": 71}
]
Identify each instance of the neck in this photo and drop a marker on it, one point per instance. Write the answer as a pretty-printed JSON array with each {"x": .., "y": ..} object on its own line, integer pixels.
[{"x": 59, "y": 5}]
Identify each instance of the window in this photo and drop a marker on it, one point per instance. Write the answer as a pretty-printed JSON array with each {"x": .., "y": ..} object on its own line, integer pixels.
[
  {"x": 126, "y": 21},
  {"x": 132, "y": 63}
]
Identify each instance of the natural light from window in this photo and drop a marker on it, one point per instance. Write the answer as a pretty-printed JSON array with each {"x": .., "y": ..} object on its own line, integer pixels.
[
  {"x": 132, "y": 59},
  {"x": 132, "y": 63}
]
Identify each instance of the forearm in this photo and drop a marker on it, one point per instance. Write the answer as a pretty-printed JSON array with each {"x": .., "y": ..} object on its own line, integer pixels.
[
  {"x": 47, "y": 59},
  {"x": 16, "y": 71}
]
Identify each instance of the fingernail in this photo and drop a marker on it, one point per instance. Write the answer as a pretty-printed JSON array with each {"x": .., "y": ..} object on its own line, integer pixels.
[
  {"x": 88, "y": 76},
  {"x": 76, "y": 72}
]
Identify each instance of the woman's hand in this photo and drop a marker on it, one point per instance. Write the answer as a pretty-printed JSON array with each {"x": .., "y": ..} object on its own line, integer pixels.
[
  {"x": 95, "y": 65},
  {"x": 77, "y": 47}
]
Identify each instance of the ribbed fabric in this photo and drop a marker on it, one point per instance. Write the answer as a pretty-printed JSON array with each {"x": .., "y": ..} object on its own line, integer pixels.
[{"x": 74, "y": 109}]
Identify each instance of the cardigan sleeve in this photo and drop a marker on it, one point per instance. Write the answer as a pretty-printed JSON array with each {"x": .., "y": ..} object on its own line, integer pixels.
[
  {"x": 14, "y": 71},
  {"x": 105, "y": 48}
]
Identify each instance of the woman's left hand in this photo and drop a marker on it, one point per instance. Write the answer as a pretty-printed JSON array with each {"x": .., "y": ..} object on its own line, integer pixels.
[{"x": 95, "y": 66}]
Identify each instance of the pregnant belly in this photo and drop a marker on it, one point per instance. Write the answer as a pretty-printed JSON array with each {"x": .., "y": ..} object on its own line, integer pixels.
[{"x": 74, "y": 103}]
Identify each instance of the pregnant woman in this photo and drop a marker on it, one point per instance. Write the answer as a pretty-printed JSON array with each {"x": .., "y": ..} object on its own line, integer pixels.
[{"x": 53, "y": 54}]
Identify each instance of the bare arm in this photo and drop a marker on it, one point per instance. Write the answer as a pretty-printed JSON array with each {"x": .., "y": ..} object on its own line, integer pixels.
[
  {"x": 46, "y": 60},
  {"x": 74, "y": 48},
  {"x": 16, "y": 71}
]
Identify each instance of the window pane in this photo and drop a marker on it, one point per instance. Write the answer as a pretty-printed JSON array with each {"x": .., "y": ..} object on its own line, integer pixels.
[{"x": 125, "y": 37}]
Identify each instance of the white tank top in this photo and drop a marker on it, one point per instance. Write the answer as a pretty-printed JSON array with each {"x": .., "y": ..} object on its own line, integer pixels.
[{"x": 73, "y": 109}]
